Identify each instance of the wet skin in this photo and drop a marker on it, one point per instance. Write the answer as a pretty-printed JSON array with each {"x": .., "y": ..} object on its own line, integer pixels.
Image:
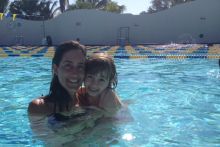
[
  {"x": 70, "y": 71},
  {"x": 96, "y": 83}
]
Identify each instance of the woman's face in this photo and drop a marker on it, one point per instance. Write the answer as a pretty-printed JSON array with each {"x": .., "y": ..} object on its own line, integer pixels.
[{"x": 70, "y": 71}]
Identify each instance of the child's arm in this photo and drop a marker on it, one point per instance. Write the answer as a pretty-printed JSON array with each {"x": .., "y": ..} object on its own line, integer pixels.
[{"x": 110, "y": 102}]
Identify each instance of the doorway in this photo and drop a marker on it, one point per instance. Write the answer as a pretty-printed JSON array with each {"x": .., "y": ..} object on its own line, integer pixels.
[{"x": 123, "y": 36}]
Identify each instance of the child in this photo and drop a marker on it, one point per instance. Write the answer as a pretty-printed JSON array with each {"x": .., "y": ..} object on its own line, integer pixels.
[{"x": 100, "y": 82}]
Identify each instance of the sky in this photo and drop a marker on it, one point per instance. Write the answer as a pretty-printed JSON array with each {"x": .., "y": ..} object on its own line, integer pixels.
[{"x": 132, "y": 6}]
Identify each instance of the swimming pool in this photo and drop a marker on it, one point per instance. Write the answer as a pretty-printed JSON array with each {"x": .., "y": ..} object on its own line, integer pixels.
[
  {"x": 172, "y": 102},
  {"x": 166, "y": 51}
]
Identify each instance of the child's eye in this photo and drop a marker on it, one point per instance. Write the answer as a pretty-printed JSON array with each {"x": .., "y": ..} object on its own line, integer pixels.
[
  {"x": 102, "y": 80},
  {"x": 89, "y": 76}
]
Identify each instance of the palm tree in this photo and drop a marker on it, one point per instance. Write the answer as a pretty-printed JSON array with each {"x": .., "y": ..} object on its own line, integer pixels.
[
  {"x": 158, "y": 5},
  {"x": 63, "y": 5},
  {"x": 102, "y": 3},
  {"x": 3, "y": 5},
  {"x": 47, "y": 9},
  {"x": 24, "y": 7},
  {"x": 33, "y": 9}
]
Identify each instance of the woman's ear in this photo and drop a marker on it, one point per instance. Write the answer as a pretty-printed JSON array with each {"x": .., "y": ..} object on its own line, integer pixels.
[
  {"x": 55, "y": 69},
  {"x": 110, "y": 83}
]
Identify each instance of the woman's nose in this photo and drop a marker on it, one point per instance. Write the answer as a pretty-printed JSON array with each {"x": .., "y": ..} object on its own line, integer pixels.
[{"x": 74, "y": 70}]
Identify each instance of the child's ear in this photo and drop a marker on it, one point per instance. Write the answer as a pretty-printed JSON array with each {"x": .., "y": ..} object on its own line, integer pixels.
[{"x": 55, "y": 69}]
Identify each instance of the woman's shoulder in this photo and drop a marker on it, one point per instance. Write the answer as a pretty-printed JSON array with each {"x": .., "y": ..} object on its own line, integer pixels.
[
  {"x": 38, "y": 106},
  {"x": 38, "y": 101}
]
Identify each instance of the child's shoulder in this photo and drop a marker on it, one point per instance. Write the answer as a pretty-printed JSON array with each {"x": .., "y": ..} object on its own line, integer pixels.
[
  {"x": 109, "y": 96},
  {"x": 109, "y": 93}
]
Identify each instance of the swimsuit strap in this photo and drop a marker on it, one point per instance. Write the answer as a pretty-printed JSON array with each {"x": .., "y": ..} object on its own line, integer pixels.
[{"x": 54, "y": 108}]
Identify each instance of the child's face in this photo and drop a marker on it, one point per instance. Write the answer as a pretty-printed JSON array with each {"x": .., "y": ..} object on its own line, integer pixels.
[{"x": 96, "y": 83}]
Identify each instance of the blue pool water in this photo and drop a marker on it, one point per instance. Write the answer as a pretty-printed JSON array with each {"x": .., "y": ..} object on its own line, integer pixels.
[{"x": 172, "y": 103}]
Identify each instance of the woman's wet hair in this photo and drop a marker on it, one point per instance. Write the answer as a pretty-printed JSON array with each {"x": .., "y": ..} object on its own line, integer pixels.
[
  {"x": 57, "y": 93},
  {"x": 65, "y": 47},
  {"x": 219, "y": 63},
  {"x": 102, "y": 63}
]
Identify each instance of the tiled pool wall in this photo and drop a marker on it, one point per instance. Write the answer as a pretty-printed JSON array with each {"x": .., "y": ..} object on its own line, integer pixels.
[{"x": 171, "y": 51}]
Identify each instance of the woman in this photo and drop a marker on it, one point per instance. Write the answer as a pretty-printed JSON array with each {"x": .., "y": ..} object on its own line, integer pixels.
[
  {"x": 68, "y": 73},
  {"x": 58, "y": 111}
]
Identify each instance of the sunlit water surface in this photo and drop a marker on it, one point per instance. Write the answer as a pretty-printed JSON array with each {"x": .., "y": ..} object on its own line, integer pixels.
[{"x": 172, "y": 103}]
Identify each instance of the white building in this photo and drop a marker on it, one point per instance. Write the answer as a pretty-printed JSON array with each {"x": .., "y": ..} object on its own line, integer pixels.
[{"x": 194, "y": 22}]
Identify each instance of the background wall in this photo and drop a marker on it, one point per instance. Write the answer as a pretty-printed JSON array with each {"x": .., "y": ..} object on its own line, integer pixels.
[{"x": 194, "y": 22}]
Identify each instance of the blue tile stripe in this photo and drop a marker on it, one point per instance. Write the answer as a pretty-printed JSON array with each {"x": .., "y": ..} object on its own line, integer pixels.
[{"x": 127, "y": 52}]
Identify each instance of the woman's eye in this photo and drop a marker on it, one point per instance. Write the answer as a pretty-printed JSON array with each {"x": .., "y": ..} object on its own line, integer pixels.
[
  {"x": 67, "y": 66},
  {"x": 81, "y": 67}
]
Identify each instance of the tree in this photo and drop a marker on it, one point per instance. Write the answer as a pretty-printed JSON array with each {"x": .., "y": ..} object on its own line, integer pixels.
[
  {"x": 114, "y": 7},
  {"x": 159, "y": 5},
  {"x": 63, "y": 5},
  {"x": 33, "y": 9},
  {"x": 106, "y": 5},
  {"x": 80, "y": 4},
  {"x": 24, "y": 7},
  {"x": 47, "y": 9},
  {"x": 3, "y": 5}
]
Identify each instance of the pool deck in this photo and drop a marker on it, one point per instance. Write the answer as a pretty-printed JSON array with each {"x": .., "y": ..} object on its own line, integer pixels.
[{"x": 170, "y": 51}]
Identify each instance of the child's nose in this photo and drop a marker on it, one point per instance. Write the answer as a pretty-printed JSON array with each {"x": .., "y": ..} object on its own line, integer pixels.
[{"x": 94, "y": 83}]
